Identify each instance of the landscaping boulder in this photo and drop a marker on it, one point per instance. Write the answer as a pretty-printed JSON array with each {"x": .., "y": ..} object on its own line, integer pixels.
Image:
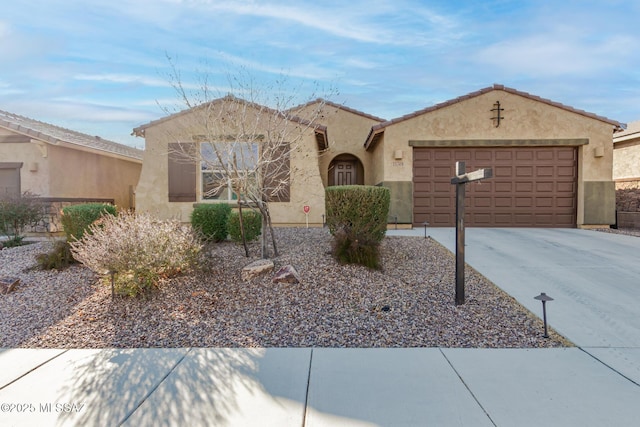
[
  {"x": 287, "y": 274},
  {"x": 256, "y": 268}
]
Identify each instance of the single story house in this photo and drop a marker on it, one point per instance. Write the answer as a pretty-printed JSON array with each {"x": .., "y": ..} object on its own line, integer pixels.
[
  {"x": 64, "y": 167},
  {"x": 626, "y": 174},
  {"x": 552, "y": 164}
]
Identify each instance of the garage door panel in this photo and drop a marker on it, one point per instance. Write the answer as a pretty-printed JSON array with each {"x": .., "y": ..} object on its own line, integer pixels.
[
  {"x": 545, "y": 187},
  {"x": 524, "y": 171},
  {"x": 442, "y": 155},
  {"x": 481, "y": 202},
  {"x": 502, "y": 171},
  {"x": 565, "y": 171},
  {"x": 524, "y": 154},
  {"x": 482, "y": 155},
  {"x": 531, "y": 186},
  {"x": 524, "y": 187},
  {"x": 503, "y": 187},
  {"x": 503, "y": 155},
  {"x": 544, "y": 171},
  {"x": 544, "y": 155}
]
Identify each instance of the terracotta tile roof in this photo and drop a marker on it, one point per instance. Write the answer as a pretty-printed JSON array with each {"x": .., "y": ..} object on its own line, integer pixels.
[
  {"x": 378, "y": 129},
  {"x": 340, "y": 106},
  {"x": 320, "y": 130},
  {"x": 54, "y": 135}
]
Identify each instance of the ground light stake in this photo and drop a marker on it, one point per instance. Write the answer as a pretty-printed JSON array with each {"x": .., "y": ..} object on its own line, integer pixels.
[{"x": 544, "y": 298}]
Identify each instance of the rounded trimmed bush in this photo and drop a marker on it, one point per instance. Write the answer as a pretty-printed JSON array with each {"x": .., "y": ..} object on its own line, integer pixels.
[
  {"x": 211, "y": 221},
  {"x": 252, "y": 221}
]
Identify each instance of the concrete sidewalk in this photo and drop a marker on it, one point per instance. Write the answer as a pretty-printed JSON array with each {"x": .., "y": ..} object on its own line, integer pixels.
[
  {"x": 312, "y": 387},
  {"x": 594, "y": 278}
]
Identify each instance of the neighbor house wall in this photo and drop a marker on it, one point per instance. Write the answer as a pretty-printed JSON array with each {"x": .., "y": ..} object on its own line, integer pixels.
[
  {"x": 81, "y": 174},
  {"x": 35, "y": 169},
  {"x": 524, "y": 118}
]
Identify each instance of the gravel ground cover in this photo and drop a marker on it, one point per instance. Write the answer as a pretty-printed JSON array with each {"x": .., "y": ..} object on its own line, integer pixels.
[{"x": 409, "y": 303}]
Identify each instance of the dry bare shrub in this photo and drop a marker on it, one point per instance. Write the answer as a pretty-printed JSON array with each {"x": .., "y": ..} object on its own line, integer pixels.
[{"x": 138, "y": 249}]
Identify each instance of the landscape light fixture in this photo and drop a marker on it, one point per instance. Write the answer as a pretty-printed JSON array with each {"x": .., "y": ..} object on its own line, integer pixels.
[
  {"x": 425, "y": 228},
  {"x": 544, "y": 298}
]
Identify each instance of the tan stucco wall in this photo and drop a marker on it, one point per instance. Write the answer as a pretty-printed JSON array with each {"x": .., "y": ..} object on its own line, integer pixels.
[
  {"x": 36, "y": 182},
  {"x": 81, "y": 174},
  {"x": 626, "y": 159},
  {"x": 524, "y": 118},
  {"x": 152, "y": 192},
  {"x": 347, "y": 132},
  {"x": 626, "y": 152}
]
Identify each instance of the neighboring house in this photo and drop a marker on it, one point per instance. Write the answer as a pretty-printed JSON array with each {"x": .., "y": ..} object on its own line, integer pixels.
[
  {"x": 552, "y": 164},
  {"x": 626, "y": 173},
  {"x": 64, "y": 167}
]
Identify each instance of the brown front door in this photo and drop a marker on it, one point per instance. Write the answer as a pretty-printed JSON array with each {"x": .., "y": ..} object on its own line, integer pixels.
[{"x": 345, "y": 173}]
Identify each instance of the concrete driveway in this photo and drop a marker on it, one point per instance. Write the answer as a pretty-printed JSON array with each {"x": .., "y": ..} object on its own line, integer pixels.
[{"x": 594, "y": 278}]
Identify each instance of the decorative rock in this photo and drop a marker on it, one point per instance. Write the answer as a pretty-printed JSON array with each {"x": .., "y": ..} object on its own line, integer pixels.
[
  {"x": 256, "y": 268},
  {"x": 287, "y": 274},
  {"x": 8, "y": 284}
]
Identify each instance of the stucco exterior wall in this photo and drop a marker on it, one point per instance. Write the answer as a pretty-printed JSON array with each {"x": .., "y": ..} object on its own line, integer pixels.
[
  {"x": 80, "y": 174},
  {"x": 306, "y": 187},
  {"x": 626, "y": 161},
  {"x": 626, "y": 153},
  {"x": 523, "y": 118},
  {"x": 347, "y": 132},
  {"x": 36, "y": 181}
]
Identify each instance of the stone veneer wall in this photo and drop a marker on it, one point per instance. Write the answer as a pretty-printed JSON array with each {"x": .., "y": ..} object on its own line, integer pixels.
[
  {"x": 628, "y": 204},
  {"x": 52, "y": 209}
]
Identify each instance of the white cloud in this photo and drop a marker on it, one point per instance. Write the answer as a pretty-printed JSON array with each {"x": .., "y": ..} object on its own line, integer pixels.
[
  {"x": 123, "y": 78},
  {"x": 554, "y": 55}
]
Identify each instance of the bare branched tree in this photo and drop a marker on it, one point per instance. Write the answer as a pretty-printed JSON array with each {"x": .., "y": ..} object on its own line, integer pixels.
[{"x": 246, "y": 137}]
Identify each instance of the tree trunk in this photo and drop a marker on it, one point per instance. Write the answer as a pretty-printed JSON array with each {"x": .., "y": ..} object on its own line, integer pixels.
[{"x": 244, "y": 239}]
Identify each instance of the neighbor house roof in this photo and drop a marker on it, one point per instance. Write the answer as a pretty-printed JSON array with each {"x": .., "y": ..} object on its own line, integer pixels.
[
  {"x": 320, "y": 130},
  {"x": 378, "y": 130},
  {"x": 340, "y": 106},
  {"x": 56, "y": 135},
  {"x": 631, "y": 132}
]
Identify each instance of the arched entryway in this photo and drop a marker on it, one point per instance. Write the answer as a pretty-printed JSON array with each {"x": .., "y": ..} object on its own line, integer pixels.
[{"x": 346, "y": 169}]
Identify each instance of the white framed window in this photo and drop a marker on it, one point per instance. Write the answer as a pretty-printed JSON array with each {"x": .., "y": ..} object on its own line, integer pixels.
[{"x": 217, "y": 166}]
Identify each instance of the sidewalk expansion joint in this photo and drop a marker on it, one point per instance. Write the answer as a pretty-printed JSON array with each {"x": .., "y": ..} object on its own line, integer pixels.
[
  {"x": 467, "y": 387},
  {"x": 33, "y": 369},
  {"x": 609, "y": 366},
  {"x": 306, "y": 396},
  {"x": 154, "y": 388}
]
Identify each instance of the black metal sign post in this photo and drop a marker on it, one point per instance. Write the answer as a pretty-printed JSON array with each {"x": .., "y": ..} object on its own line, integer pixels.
[{"x": 460, "y": 180}]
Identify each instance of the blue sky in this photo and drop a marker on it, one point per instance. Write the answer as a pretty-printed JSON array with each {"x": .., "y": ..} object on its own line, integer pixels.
[{"x": 100, "y": 66}]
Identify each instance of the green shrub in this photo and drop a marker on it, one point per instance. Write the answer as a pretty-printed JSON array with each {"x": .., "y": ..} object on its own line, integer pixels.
[
  {"x": 138, "y": 249},
  {"x": 357, "y": 219},
  {"x": 76, "y": 219},
  {"x": 252, "y": 221},
  {"x": 18, "y": 213},
  {"x": 58, "y": 258},
  {"x": 211, "y": 221}
]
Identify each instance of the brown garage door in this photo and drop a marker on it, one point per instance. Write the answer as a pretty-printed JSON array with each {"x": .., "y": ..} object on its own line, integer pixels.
[{"x": 531, "y": 186}]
